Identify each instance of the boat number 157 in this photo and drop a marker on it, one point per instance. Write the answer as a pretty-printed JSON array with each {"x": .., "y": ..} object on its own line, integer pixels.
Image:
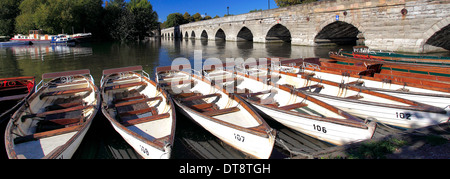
[{"x": 238, "y": 137}]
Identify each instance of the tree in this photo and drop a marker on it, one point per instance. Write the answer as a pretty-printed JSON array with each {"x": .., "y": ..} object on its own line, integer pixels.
[
  {"x": 187, "y": 17},
  {"x": 9, "y": 10},
  {"x": 197, "y": 17},
  {"x": 174, "y": 19},
  {"x": 285, "y": 3}
]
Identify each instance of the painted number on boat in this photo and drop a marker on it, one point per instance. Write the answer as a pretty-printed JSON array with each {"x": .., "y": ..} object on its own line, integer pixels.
[
  {"x": 403, "y": 115},
  {"x": 320, "y": 128},
  {"x": 144, "y": 150},
  {"x": 239, "y": 138}
]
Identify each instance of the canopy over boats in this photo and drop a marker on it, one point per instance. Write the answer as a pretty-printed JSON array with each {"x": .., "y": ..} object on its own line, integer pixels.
[
  {"x": 53, "y": 121},
  {"x": 139, "y": 110}
]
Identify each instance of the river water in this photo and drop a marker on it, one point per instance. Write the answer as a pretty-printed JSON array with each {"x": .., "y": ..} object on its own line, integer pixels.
[{"x": 191, "y": 141}]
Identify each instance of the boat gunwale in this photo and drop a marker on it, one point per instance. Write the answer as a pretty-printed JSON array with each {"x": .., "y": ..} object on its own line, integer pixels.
[
  {"x": 441, "y": 89},
  {"x": 352, "y": 120},
  {"x": 9, "y": 141},
  {"x": 252, "y": 130},
  {"x": 154, "y": 143}
]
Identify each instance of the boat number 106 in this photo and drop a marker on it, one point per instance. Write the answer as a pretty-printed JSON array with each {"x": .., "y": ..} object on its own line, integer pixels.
[{"x": 320, "y": 128}]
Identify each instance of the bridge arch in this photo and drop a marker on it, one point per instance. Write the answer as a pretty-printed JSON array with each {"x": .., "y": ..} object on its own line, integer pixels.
[
  {"x": 204, "y": 34},
  {"x": 437, "y": 35},
  {"x": 192, "y": 34},
  {"x": 338, "y": 32},
  {"x": 186, "y": 35},
  {"x": 220, "y": 35},
  {"x": 278, "y": 33},
  {"x": 245, "y": 34}
]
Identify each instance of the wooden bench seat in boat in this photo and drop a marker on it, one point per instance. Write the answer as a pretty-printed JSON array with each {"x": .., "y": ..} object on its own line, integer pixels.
[
  {"x": 201, "y": 97},
  {"x": 125, "y": 85},
  {"x": 138, "y": 111},
  {"x": 131, "y": 102},
  {"x": 65, "y": 92},
  {"x": 65, "y": 110},
  {"x": 293, "y": 106},
  {"x": 167, "y": 83},
  {"x": 204, "y": 107},
  {"x": 122, "y": 79},
  {"x": 221, "y": 111},
  {"x": 131, "y": 122},
  {"x": 62, "y": 103},
  {"x": 40, "y": 135},
  {"x": 310, "y": 87},
  {"x": 354, "y": 97},
  {"x": 14, "y": 97}
]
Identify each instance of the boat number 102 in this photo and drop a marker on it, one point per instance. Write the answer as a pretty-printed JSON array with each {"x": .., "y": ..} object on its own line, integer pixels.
[{"x": 401, "y": 115}]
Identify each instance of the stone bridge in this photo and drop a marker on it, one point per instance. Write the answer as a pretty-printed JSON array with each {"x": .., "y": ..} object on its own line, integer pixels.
[{"x": 396, "y": 25}]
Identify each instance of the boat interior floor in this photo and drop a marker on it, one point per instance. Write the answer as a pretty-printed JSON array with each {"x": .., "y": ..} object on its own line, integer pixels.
[{"x": 132, "y": 108}]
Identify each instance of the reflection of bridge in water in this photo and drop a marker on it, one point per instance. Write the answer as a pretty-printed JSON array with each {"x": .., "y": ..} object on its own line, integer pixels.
[{"x": 397, "y": 25}]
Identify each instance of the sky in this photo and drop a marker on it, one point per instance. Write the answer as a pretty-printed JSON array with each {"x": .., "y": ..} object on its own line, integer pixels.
[{"x": 208, "y": 7}]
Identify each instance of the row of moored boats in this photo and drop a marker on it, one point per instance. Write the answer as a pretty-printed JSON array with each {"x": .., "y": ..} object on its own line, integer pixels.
[{"x": 228, "y": 100}]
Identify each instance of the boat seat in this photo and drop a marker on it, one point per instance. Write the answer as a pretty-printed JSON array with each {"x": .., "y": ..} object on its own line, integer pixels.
[
  {"x": 218, "y": 95},
  {"x": 125, "y": 85},
  {"x": 59, "y": 111},
  {"x": 62, "y": 103},
  {"x": 221, "y": 111},
  {"x": 40, "y": 135},
  {"x": 310, "y": 87},
  {"x": 122, "y": 79},
  {"x": 354, "y": 97},
  {"x": 60, "y": 120},
  {"x": 166, "y": 83},
  {"x": 126, "y": 103},
  {"x": 205, "y": 107},
  {"x": 65, "y": 92},
  {"x": 131, "y": 122},
  {"x": 293, "y": 106},
  {"x": 138, "y": 111}
]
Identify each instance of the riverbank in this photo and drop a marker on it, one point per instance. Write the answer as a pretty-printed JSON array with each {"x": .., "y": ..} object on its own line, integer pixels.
[{"x": 425, "y": 143}]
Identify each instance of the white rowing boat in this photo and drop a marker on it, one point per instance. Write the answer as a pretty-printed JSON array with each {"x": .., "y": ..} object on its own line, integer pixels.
[
  {"x": 294, "y": 109},
  {"x": 139, "y": 111},
  {"x": 54, "y": 120},
  {"x": 222, "y": 114},
  {"x": 366, "y": 103}
]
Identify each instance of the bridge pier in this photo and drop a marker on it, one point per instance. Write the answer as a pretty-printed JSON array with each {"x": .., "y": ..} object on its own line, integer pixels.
[{"x": 395, "y": 25}]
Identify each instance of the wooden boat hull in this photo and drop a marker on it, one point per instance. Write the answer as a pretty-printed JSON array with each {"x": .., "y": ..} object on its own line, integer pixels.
[
  {"x": 386, "y": 114},
  {"x": 431, "y": 97},
  {"x": 333, "y": 133},
  {"x": 370, "y": 104},
  {"x": 152, "y": 137},
  {"x": 329, "y": 129},
  {"x": 25, "y": 137},
  {"x": 14, "y": 91},
  {"x": 241, "y": 128},
  {"x": 250, "y": 143}
]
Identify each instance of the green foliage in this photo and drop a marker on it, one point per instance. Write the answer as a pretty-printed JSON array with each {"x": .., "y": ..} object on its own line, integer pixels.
[
  {"x": 285, "y": 3},
  {"x": 174, "y": 19},
  {"x": 376, "y": 150},
  {"x": 9, "y": 9},
  {"x": 118, "y": 20}
]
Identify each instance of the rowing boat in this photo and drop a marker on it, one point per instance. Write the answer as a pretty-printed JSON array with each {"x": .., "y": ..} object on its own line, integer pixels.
[
  {"x": 54, "y": 120},
  {"x": 13, "y": 92},
  {"x": 364, "y": 52},
  {"x": 366, "y": 103},
  {"x": 139, "y": 111},
  {"x": 296, "y": 110},
  {"x": 222, "y": 114}
]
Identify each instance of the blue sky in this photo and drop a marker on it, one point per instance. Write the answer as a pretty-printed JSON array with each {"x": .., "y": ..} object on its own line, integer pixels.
[{"x": 210, "y": 7}]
